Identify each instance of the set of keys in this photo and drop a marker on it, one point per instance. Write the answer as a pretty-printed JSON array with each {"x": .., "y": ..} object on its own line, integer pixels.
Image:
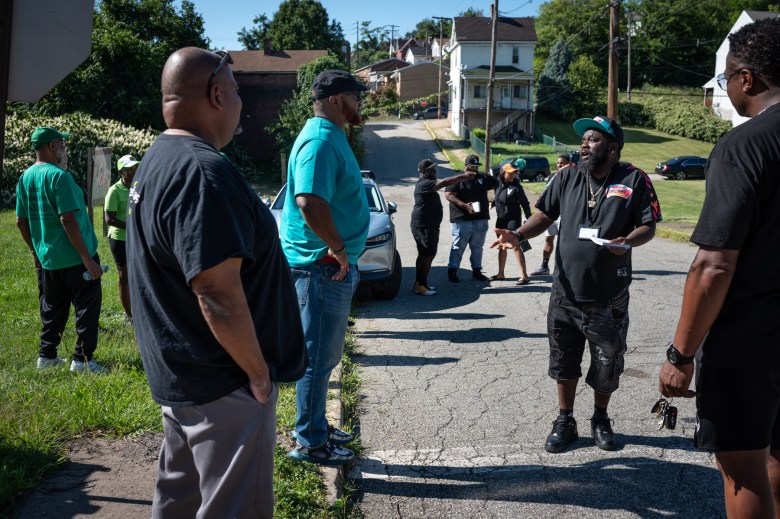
[{"x": 666, "y": 412}]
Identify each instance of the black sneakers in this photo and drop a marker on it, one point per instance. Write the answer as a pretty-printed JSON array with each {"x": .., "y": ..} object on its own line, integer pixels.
[
  {"x": 328, "y": 454},
  {"x": 335, "y": 435},
  {"x": 452, "y": 275},
  {"x": 563, "y": 433},
  {"x": 601, "y": 429},
  {"x": 478, "y": 275}
]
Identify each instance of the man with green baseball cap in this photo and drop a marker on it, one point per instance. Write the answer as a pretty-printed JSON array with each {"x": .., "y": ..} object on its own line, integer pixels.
[{"x": 53, "y": 220}]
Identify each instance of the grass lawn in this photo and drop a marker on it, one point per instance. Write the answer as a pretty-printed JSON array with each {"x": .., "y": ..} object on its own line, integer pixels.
[
  {"x": 644, "y": 147},
  {"x": 41, "y": 411}
]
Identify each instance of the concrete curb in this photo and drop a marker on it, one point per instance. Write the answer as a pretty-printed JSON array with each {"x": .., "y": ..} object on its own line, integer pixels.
[{"x": 333, "y": 477}]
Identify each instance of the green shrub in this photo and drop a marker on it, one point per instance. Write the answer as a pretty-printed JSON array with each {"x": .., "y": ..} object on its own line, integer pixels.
[
  {"x": 479, "y": 132},
  {"x": 686, "y": 118}
]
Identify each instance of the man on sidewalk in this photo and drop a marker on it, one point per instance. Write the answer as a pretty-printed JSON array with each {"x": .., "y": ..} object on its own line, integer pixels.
[
  {"x": 606, "y": 207},
  {"x": 214, "y": 305},
  {"x": 552, "y": 231},
  {"x": 732, "y": 293},
  {"x": 469, "y": 219},
  {"x": 323, "y": 229},
  {"x": 55, "y": 225}
]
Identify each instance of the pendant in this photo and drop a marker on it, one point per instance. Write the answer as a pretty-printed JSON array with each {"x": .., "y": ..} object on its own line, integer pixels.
[{"x": 591, "y": 203}]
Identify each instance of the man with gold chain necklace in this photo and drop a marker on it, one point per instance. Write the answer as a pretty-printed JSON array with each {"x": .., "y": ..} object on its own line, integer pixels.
[{"x": 606, "y": 208}]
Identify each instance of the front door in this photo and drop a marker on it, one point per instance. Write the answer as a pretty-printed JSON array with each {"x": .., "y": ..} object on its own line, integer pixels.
[{"x": 506, "y": 97}]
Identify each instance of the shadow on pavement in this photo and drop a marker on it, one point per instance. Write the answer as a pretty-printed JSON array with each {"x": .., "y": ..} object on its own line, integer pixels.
[
  {"x": 402, "y": 360},
  {"x": 476, "y": 336},
  {"x": 648, "y": 487}
]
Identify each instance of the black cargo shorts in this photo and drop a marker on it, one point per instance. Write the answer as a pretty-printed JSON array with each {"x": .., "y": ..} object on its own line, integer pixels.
[{"x": 603, "y": 325}]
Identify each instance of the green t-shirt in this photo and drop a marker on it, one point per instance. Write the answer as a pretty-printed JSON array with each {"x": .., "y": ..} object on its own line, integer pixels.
[
  {"x": 116, "y": 200},
  {"x": 43, "y": 193}
]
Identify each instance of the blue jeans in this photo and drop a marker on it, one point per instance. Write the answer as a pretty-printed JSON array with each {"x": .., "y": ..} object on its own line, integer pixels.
[
  {"x": 471, "y": 233},
  {"x": 324, "y": 306}
]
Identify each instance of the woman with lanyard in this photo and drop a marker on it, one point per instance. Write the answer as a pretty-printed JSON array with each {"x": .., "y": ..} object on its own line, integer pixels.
[{"x": 509, "y": 200}]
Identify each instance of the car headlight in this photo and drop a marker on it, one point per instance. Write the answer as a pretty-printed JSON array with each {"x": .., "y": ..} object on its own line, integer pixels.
[{"x": 379, "y": 238}]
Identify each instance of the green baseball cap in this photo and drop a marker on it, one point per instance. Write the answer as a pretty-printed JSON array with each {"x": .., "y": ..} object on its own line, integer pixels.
[
  {"x": 127, "y": 161},
  {"x": 44, "y": 135}
]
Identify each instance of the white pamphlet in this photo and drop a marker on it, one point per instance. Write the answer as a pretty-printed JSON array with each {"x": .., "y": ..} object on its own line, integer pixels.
[{"x": 605, "y": 243}]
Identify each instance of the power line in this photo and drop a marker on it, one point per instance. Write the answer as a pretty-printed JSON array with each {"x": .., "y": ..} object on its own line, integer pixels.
[{"x": 516, "y": 8}]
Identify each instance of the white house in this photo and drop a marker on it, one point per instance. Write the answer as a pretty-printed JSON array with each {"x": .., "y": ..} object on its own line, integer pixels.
[
  {"x": 513, "y": 88},
  {"x": 721, "y": 104},
  {"x": 440, "y": 49}
]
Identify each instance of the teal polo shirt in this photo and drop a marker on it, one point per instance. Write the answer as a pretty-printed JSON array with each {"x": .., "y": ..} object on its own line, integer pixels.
[{"x": 322, "y": 164}]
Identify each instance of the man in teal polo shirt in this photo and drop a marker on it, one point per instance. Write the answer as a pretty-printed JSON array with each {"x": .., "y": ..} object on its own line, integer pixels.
[
  {"x": 53, "y": 220},
  {"x": 323, "y": 230},
  {"x": 115, "y": 214}
]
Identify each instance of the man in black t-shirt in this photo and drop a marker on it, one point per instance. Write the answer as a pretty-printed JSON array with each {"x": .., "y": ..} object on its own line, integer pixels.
[
  {"x": 469, "y": 219},
  {"x": 426, "y": 218},
  {"x": 216, "y": 315},
  {"x": 606, "y": 207},
  {"x": 731, "y": 299}
]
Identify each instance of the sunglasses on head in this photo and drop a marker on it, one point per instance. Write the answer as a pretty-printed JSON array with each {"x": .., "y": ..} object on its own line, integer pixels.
[{"x": 225, "y": 59}]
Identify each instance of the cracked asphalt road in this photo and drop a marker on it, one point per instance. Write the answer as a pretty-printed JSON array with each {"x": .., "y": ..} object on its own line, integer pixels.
[{"x": 456, "y": 399}]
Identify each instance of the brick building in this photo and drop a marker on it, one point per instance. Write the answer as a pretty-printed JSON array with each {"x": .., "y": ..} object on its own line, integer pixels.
[{"x": 266, "y": 78}]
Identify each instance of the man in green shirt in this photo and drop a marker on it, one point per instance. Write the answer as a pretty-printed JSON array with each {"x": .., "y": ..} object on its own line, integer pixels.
[
  {"x": 53, "y": 220},
  {"x": 115, "y": 213}
]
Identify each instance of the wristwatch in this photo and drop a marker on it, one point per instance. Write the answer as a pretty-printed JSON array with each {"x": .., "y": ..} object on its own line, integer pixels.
[
  {"x": 676, "y": 358},
  {"x": 519, "y": 235}
]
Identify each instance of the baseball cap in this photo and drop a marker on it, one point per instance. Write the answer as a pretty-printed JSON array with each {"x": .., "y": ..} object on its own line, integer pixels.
[
  {"x": 332, "y": 82},
  {"x": 602, "y": 124},
  {"x": 425, "y": 164},
  {"x": 126, "y": 161},
  {"x": 44, "y": 135},
  {"x": 508, "y": 168},
  {"x": 472, "y": 160}
]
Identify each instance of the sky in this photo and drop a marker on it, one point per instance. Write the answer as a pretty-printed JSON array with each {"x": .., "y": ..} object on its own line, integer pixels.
[{"x": 224, "y": 18}]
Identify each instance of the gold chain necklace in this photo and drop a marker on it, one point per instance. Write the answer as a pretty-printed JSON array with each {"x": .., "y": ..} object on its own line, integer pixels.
[{"x": 592, "y": 200}]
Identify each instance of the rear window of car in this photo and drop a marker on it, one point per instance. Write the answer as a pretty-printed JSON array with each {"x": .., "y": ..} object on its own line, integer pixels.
[{"x": 536, "y": 162}]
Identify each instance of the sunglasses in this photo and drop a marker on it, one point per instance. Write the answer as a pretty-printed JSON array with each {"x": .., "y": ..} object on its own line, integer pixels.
[{"x": 225, "y": 59}]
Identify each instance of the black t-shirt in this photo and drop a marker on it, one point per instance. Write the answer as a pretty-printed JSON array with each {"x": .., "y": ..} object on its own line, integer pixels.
[
  {"x": 509, "y": 200},
  {"x": 584, "y": 271},
  {"x": 742, "y": 212},
  {"x": 474, "y": 190},
  {"x": 189, "y": 210},
  {"x": 427, "y": 211}
]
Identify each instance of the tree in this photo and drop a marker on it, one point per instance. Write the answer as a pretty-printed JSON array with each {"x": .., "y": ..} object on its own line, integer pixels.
[
  {"x": 554, "y": 92},
  {"x": 252, "y": 39},
  {"x": 373, "y": 45},
  {"x": 472, "y": 11},
  {"x": 297, "y": 110},
  {"x": 296, "y": 25},
  {"x": 131, "y": 39},
  {"x": 587, "y": 86},
  {"x": 429, "y": 28}
]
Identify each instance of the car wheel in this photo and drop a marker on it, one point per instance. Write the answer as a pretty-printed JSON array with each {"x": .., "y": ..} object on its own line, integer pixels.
[
  {"x": 390, "y": 288},
  {"x": 539, "y": 177},
  {"x": 681, "y": 175}
]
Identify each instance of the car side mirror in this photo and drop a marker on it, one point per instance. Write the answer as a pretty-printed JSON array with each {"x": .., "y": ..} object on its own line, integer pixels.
[
  {"x": 267, "y": 201},
  {"x": 392, "y": 207}
]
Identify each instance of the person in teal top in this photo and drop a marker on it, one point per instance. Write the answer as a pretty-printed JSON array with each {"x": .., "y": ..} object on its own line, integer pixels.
[
  {"x": 54, "y": 223},
  {"x": 115, "y": 213},
  {"x": 323, "y": 230}
]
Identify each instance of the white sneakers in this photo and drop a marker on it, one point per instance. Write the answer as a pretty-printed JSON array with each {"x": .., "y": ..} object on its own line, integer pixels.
[
  {"x": 44, "y": 363},
  {"x": 77, "y": 367}
]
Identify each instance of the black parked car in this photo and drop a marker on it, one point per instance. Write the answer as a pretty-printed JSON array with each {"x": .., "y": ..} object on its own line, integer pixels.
[
  {"x": 681, "y": 168},
  {"x": 432, "y": 112},
  {"x": 536, "y": 169}
]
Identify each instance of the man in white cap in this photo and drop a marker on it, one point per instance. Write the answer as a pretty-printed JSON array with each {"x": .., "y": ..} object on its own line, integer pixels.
[
  {"x": 115, "y": 213},
  {"x": 53, "y": 220}
]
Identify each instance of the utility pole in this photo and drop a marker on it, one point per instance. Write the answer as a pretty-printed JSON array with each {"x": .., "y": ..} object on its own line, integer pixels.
[
  {"x": 612, "y": 88},
  {"x": 494, "y": 18},
  {"x": 392, "y": 37},
  {"x": 357, "y": 42},
  {"x": 441, "y": 55},
  {"x": 630, "y": 18}
]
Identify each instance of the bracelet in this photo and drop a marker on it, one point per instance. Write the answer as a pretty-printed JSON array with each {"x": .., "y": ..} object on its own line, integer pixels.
[{"x": 342, "y": 249}]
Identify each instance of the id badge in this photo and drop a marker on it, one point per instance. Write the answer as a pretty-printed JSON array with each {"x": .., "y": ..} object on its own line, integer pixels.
[{"x": 586, "y": 233}]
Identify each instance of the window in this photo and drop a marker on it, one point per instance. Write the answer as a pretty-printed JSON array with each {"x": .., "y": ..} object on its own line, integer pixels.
[
  {"x": 480, "y": 91},
  {"x": 515, "y": 55},
  {"x": 518, "y": 91}
]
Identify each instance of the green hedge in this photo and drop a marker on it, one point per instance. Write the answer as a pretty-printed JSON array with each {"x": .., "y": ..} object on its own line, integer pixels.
[
  {"x": 85, "y": 132},
  {"x": 686, "y": 118}
]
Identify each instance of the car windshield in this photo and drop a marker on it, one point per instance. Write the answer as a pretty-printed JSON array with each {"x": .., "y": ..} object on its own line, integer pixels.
[{"x": 372, "y": 196}]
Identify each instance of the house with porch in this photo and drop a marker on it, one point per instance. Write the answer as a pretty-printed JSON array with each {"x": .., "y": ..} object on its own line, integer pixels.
[
  {"x": 512, "y": 111},
  {"x": 721, "y": 104}
]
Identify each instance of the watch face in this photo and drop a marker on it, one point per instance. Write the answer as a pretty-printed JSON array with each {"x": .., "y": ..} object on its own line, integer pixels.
[{"x": 673, "y": 358}]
